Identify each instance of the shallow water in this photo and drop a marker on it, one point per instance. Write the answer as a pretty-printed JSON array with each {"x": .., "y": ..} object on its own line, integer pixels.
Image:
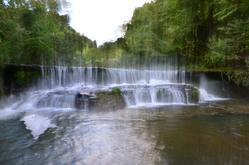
[{"x": 208, "y": 133}]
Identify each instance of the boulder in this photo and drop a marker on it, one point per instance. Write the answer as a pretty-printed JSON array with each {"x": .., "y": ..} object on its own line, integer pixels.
[
  {"x": 85, "y": 100},
  {"x": 108, "y": 100},
  {"x": 193, "y": 95}
]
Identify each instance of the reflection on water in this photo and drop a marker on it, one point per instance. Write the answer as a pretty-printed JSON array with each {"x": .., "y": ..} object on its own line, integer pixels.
[{"x": 211, "y": 133}]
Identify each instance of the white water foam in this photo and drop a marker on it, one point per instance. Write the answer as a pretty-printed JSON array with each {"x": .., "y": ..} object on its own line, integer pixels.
[
  {"x": 8, "y": 113},
  {"x": 153, "y": 95},
  {"x": 28, "y": 102},
  {"x": 37, "y": 124},
  {"x": 148, "y": 88},
  {"x": 205, "y": 96}
]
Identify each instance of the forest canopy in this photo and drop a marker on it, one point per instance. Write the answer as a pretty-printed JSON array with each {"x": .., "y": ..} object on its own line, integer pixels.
[
  {"x": 33, "y": 32},
  {"x": 209, "y": 34},
  {"x": 206, "y": 35}
]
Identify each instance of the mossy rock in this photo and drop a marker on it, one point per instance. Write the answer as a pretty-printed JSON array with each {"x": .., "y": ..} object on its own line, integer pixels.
[
  {"x": 116, "y": 92},
  {"x": 194, "y": 95},
  {"x": 109, "y": 100}
]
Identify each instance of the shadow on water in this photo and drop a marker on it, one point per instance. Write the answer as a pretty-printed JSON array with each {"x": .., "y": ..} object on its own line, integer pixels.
[{"x": 219, "y": 139}]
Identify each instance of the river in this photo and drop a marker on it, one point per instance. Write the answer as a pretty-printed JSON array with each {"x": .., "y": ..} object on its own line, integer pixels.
[{"x": 209, "y": 132}]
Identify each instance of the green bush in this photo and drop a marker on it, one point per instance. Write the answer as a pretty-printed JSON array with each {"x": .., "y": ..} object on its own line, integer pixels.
[
  {"x": 25, "y": 78},
  {"x": 116, "y": 91}
]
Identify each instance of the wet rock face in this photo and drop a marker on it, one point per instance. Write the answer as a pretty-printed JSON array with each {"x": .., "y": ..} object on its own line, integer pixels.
[
  {"x": 85, "y": 100},
  {"x": 108, "y": 100},
  {"x": 80, "y": 101},
  {"x": 194, "y": 95}
]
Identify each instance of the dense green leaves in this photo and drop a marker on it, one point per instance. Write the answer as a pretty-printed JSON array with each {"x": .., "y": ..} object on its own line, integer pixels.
[
  {"x": 206, "y": 34},
  {"x": 210, "y": 34},
  {"x": 200, "y": 34},
  {"x": 33, "y": 32}
]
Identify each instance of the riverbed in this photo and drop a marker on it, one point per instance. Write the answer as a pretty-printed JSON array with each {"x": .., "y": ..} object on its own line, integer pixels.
[{"x": 215, "y": 132}]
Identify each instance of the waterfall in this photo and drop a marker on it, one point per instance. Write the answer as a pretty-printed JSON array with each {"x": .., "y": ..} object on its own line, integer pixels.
[
  {"x": 68, "y": 76},
  {"x": 139, "y": 87},
  {"x": 70, "y": 88},
  {"x": 58, "y": 87},
  {"x": 205, "y": 96},
  {"x": 56, "y": 100},
  {"x": 153, "y": 95}
]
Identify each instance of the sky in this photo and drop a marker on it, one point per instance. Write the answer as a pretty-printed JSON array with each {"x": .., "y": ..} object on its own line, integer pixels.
[{"x": 101, "y": 20}]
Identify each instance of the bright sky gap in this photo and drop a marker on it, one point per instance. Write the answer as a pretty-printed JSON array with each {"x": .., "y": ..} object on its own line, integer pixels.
[{"x": 101, "y": 20}]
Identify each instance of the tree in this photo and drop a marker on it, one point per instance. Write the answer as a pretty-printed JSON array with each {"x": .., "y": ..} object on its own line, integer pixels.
[{"x": 34, "y": 32}]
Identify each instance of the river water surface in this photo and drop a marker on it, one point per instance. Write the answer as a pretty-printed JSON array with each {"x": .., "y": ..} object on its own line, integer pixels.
[
  {"x": 152, "y": 130},
  {"x": 207, "y": 133}
]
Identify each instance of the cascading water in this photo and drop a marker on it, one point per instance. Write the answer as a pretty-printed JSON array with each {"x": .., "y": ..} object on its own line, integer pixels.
[
  {"x": 148, "y": 87},
  {"x": 66, "y": 88},
  {"x": 68, "y": 76},
  {"x": 214, "y": 89},
  {"x": 59, "y": 86},
  {"x": 57, "y": 100},
  {"x": 57, "y": 133},
  {"x": 153, "y": 95}
]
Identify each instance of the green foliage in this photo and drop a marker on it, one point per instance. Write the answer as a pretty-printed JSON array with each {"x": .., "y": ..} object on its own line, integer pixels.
[
  {"x": 209, "y": 34},
  {"x": 194, "y": 94},
  {"x": 37, "y": 51},
  {"x": 1, "y": 83},
  {"x": 26, "y": 78},
  {"x": 226, "y": 12},
  {"x": 194, "y": 91},
  {"x": 20, "y": 77},
  {"x": 206, "y": 34},
  {"x": 106, "y": 55},
  {"x": 220, "y": 55},
  {"x": 239, "y": 77},
  {"x": 116, "y": 92},
  {"x": 247, "y": 62},
  {"x": 33, "y": 32}
]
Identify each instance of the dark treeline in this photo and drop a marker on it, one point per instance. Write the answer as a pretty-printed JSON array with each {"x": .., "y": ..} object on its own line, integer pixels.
[
  {"x": 205, "y": 35},
  {"x": 208, "y": 34},
  {"x": 33, "y": 32}
]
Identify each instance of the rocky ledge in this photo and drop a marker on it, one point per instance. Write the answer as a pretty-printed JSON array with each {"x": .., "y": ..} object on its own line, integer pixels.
[
  {"x": 97, "y": 100},
  {"x": 109, "y": 100}
]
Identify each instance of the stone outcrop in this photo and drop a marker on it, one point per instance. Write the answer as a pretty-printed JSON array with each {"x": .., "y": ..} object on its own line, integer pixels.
[
  {"x": 100, "y": 100},
  {"x": 108, "y": 100},
  {"x": 193, "y": 94}
]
